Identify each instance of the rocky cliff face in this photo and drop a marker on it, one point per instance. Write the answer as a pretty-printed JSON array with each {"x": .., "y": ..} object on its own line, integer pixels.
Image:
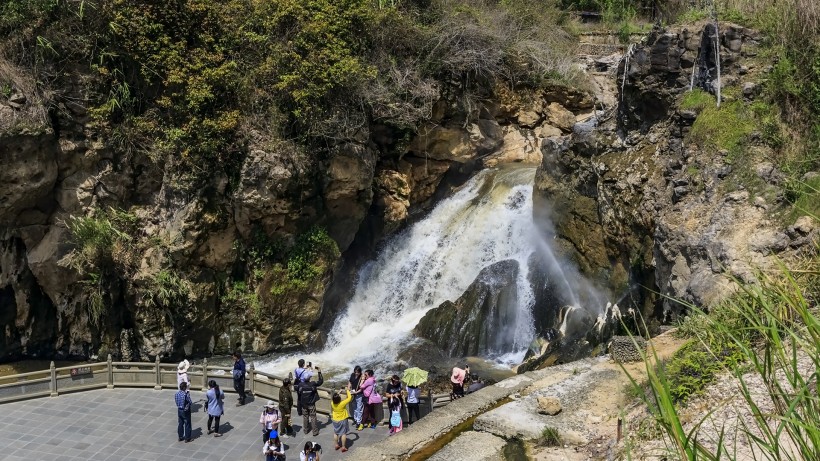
[
  {"x": 649, "y": 192},
  {"x": 103, "y": 249}
]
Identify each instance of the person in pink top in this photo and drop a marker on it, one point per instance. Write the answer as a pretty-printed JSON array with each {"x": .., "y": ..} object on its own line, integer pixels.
[
  {"x": 371, "y": 396},
  {"x": 457, "y": 379}
]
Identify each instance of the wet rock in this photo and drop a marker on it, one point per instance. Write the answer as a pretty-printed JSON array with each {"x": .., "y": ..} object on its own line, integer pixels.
[
  {"x": 482, "y": 319},
  {"x": 549, "y": 405}
]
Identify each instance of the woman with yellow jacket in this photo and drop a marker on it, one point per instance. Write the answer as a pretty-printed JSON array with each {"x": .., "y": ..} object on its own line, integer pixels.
[{"x": 339, "y": 417}]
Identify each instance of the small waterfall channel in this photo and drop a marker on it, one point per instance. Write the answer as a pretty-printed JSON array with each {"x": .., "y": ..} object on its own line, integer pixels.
[{"x": 489, "y": 219}]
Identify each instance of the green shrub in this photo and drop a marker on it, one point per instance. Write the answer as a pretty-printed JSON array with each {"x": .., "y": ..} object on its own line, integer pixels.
[
  {"x": 166, "y": 289},
  {"x": 550, "y": 437},
  {"x": 725, "y": 127},
  {"x": 697, "y": 100},
  {"x": 309, "y": 258},
  {"x": 696, "y": 364},
  {"x": 242, "y": 298}
]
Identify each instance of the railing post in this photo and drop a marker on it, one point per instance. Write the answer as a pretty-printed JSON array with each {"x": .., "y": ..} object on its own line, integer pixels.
[
  {"x": 158, "y": 386},
  {"x": 53, "y": 370},
  {"x": 205, "y": 374},
  {"x": 251, "y": 378},
  {"x": 110, "y": 373}
]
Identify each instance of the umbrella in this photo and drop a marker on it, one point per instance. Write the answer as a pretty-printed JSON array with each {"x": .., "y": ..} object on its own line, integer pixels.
[{"x": 414, "y": 376}]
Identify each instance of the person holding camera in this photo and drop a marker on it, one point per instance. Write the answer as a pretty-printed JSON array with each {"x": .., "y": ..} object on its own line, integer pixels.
[
  {"x": 301, "y": 374},
  {"x": 339, "y": 417},
  {"x": 310, "y": 452},
  {"x": 273, "y": 448},
  {"x": 307, "y": 395}
]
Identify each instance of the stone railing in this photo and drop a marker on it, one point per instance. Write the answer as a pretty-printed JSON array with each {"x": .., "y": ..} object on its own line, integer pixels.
[{"x": 157, "y": 375}]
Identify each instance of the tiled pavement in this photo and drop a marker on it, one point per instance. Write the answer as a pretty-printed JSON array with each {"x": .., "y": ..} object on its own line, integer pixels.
[{"x": 141, "y": 424}]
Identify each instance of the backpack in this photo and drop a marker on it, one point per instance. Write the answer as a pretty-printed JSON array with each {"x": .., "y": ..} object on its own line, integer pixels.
[
  {"x": 186, "y": 404},
  {"x": 308, "y": 394},
  {"x": 395, "y": 419}
]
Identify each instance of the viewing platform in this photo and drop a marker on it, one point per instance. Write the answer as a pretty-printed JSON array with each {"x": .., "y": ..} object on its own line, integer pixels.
[{"x": 126, "y": 411}]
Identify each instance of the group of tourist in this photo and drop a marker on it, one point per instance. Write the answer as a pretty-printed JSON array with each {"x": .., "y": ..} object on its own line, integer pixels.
[
  {"x": 214, "y": 404},
  {"x": 275, "y": 420}
]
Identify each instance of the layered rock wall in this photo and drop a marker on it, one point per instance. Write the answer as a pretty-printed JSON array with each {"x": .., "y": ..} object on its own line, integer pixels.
[{"x": 639, "y": 202}]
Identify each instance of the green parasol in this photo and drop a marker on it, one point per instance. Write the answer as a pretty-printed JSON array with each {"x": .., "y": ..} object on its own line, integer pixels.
[{"x": 414, "y": 376}]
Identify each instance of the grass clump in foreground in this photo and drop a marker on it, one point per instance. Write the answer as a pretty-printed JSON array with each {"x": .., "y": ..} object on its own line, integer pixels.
[
  {"x": 550, "y": 437},
  {"x": 773, "y": 328}
]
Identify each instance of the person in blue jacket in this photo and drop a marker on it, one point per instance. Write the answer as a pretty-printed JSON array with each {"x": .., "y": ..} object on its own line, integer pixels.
[{"x": 239, "y": 377}]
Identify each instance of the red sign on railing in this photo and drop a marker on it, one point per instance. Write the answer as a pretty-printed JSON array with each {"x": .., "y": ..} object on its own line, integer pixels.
[{"x": 81, "y": 371}]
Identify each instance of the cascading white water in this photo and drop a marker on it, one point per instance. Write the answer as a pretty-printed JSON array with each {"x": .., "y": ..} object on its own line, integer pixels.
[{"x": 487, "y": 220}]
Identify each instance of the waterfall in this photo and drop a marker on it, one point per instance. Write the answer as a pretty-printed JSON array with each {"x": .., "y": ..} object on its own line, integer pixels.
[{"x": 489, "y": 219}]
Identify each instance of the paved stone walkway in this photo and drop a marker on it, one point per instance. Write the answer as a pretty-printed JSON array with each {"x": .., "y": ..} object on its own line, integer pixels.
[{"x": 141, "y": 424}]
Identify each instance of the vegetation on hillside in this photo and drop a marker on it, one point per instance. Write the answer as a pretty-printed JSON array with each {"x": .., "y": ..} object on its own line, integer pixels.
[
  {"x": 772, "y": 328},
  {"x": 185, "y": 81}
]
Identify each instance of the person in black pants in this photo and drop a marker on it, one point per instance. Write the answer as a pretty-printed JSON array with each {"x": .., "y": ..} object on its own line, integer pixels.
[
  {"x": 392, "y": 390},
  {"x": 239, "y": 377}
]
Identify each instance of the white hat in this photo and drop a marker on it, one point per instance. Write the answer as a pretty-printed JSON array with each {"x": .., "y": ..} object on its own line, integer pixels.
[
  {"x": 183, "y": 366},
  {"x": 270, "y": 404}
]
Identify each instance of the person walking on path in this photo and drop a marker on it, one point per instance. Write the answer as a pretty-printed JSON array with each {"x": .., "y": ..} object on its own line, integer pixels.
[
  {"x": 356, "y": 379},
  {"x": 214, "y": 404},
  {"x": 269, "y": 420},
  {"x": 182, "y": 373},
  {"x": 372, "y": 399},
  {"x": 285, "y": 406},
  {"x": 308, "y": 396},
  {"x": 273, "y": 448},
  {"x": 457, "y": 379},
  {"x": 392, "y": 392},
  {"x": 183, "y": 401},
  {"x": 339, "y": 417},
  {"x": 310, "y": 452},
  {"x": 413, "y": 394},
  {"x": 239, "y": 377}
]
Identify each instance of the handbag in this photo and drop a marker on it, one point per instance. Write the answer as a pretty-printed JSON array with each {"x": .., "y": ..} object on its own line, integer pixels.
[{"x": 374, "y": 397}]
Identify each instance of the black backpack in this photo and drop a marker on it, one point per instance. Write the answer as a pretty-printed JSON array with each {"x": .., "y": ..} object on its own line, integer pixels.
[{"x": 308, "y": 394}]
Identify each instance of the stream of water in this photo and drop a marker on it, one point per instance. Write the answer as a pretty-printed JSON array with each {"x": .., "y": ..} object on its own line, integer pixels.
[{"x": 489, "y": 219}]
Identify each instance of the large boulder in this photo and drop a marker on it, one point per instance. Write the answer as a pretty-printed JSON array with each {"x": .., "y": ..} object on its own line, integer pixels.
[{"x": 482, "y": 320}]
